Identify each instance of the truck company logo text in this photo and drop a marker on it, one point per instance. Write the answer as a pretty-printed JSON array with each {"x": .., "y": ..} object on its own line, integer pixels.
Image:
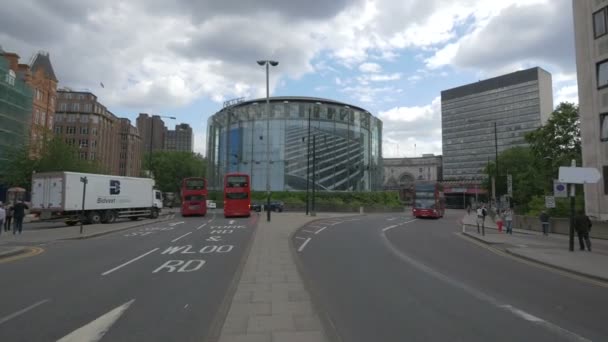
[
  {"x": 114, "y": 188},
  {"x": 106, "y": 200}
]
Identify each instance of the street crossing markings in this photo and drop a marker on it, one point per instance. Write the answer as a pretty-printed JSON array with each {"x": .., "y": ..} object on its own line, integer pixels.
[
  {"x": 95, "y": 330},
  {"x": 22, "y": 311},
  {"x": 181, "y": 237},
  {"x": 320, "y": 230},
  {"x": 304, "y": 244},
  {"x": 129, "y": 262}
]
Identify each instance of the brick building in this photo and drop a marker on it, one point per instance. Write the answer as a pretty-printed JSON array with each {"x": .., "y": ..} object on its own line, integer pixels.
[
  {"x": 152, "y": 131},
  {"x": 40, "y": 77},
  {"x": 180, "y": 139},
  {"x": 88, "y": 125},
  {"x": 130, "y": 150}
]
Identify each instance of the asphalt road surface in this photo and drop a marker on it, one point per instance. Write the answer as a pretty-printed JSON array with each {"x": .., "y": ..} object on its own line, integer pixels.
[
  {"x": 165, "y": 281},
  {"x": 394, "y": 278}
]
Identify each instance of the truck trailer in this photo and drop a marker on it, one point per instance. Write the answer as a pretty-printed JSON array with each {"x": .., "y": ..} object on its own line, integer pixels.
[{"x": 62, "y": 195}]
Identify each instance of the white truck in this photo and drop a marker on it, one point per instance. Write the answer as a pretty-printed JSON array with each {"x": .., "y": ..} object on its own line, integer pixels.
[{"x": 61, "y": 195}]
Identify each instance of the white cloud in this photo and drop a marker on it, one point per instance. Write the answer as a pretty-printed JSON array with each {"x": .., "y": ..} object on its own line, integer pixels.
[
  {"x": 566, "y": 94},
  {"x": 385, "y": 77},
  {"x": 370, "y": 67},
  {"x": 406, "y": 127}
]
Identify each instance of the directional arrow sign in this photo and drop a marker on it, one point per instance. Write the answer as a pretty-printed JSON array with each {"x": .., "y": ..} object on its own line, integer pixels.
[
  {"x": 95, "y": 330},
  {"x": 579, "y": 175}
]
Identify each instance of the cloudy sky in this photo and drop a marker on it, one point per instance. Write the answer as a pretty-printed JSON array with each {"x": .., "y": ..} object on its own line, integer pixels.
[{"x": 393, "y": 57}]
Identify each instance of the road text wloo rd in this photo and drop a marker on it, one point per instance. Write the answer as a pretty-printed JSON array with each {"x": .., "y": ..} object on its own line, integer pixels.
[{"x": 189, "y": 265}]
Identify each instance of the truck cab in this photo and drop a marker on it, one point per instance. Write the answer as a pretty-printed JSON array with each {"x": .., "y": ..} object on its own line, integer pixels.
[{"x": 158, "y": 200}]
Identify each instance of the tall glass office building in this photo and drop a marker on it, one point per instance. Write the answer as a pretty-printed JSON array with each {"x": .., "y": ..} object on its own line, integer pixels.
[
  {"x": 347, "y": 144},
  {"x": 496, "y": 113}
]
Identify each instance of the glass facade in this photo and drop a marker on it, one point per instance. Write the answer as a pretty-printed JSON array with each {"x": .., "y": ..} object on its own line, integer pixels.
[
  {"x": 469, "y": 121},
  {"x": 345, "y": 140}
]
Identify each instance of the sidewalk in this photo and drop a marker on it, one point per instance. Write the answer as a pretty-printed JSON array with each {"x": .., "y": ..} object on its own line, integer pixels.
[
  {"x": 549, "y": 250},
  {"x": 271, "y": 303},
  {"x": 73, "y": 232}
]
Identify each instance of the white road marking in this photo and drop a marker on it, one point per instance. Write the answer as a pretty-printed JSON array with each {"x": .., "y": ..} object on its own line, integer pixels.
[
  {"x": 389, "y": 227},
  {"x": 128, "y": 262},
  {"x": 181, "y": 237},
  {"x": 186, "y": 306},
  {"x": 301, "y": 238},
  {"x": 176, "y": 223},
  {"x": 201, "y": 226},
  {"x": 22, "y": 311},
  {"x": 306, "y": 231},
  {"x": 95, "y": 330},
  {"x": 481, "y": 295},
  {"x": 304, "y": 245},
  {"x": 231, "y": 222},
  {"x": 406, "y": 222},
  {"x": 320, "y": 230},
  {"x": 391, "y": 218}
]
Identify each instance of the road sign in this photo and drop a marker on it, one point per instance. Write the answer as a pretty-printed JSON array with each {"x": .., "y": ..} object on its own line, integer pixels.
[
  {"x": 549, "y": 202},
  {"x": 510, "y": 185},
  {"x": 560, "y": 189},
  {"x": 579, "y": 175}
]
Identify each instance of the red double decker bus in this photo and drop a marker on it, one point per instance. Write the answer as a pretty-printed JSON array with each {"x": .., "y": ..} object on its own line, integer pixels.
[
  {"x": 194, "y": 196},
  {"x": 237, "y": 195},
  {"x": 429, "y": 200}
]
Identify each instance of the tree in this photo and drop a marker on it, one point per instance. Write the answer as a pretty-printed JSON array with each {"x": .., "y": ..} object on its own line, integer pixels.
[
  {"x": 521, "y": 163},
  {"x": 56, "y": 155},
  {"x": 557, "y": 142},
  {"x": 170, "y": 167}
]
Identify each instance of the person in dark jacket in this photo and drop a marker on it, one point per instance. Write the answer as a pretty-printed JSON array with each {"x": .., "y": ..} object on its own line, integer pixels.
[
  {"x": 582, "y": 224},
  {"x": 18, "y": 214},
  {"x": 544, "y": 221}
]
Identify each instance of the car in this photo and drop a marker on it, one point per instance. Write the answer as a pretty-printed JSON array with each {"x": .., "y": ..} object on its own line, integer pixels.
[
  {"x": 255, "y": 206},
  {"x": 275, "y": 206},
  {"x": 211, "y": 205}
]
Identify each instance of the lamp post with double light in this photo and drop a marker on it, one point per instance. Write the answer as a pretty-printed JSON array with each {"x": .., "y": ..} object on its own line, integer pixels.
[{"x": 267, "y": 63}]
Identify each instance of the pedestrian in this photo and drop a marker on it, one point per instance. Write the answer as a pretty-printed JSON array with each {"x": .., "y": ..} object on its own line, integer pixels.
[
  {"x": 544, "y": 221},
  {"x": 508, "y": 214},
  {"x": 499, "y": 221},
  {"x": 18, "y": 214},
  {"x": 482, "y": 212},
  {"x": 2, "y": 216},
  {"x": 9, "y": 218},
  {"x": 582, "y": 224}
]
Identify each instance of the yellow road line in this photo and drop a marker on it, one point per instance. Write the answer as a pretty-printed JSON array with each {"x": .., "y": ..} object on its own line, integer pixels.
[
  {"x": 531, "y": 263},
  {"x": 32, "y": 251}
]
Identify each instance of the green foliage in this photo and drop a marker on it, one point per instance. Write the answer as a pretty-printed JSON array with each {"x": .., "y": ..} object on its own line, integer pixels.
[
  {"x": 55, "y": 156},
  {"x": 562, "y": 206},
  {"x": 169, "y": 168},
  {"x": 533, "y": 168}
]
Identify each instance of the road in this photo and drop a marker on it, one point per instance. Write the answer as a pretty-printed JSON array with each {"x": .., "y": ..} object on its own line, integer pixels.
[
  {"x": 159, "y": 282},
  {"x": 394, "y": 278}
]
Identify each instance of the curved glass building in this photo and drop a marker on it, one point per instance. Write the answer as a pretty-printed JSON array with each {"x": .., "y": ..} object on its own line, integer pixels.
[{"x": 336, "y": 143}]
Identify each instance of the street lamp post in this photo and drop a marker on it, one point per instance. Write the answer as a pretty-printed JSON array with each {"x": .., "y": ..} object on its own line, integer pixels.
[
  {"x": 267, "y": 63},
  {"x": 152, "y": 138}
]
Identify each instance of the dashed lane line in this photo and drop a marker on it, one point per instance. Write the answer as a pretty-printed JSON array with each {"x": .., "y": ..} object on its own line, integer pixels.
[
  {"x": 129, "y": 262},
  {"x": 22, "y": 311},
  {"x": 177, "y": 238}
]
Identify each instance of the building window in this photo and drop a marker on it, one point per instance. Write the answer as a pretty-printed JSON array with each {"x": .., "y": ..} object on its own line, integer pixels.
[
  {"x": 71, "y": 117},
  {"x": 93, "y": 143},
  {"x": 83, "y": 155},
  {"x": 602, "y": 74},
  {"x": 63, "y": 106},
  {"x": 88, "y": 107},
  {"x": 81, "y": 97},
  {"x": 94, "y": 131},
  {"x": 38, "y": 94},
  {"x": 604, "y": 127},
  {"x": 599, "y": 23},
  {"x": 84, "y": 130},
  {"x": 43, "y": 118},
  {"x": 68, "y": 96},
  {"x": 75, "y": 107},
  {"x": 83, "y": 143},
  {"x": 92, "y": 156},
  {"x": 10, "y": 77},
  {"x": 70, "y": 130},
  {"x": 58, "y": 129},
  {"x": 84, "y": 118}
]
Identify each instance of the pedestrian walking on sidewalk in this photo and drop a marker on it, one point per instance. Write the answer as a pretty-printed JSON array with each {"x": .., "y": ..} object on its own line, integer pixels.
[
  {"x": 9, "y": 218},
  {"x": 19, "y": 214},
  {"x": 2, "y": 216},
  {"x": 482, "y": 212},
  {"x": 582, "y": 224},
  {"x": 499, "y": 220},
  {"x": 508, "y": 215},
  {"x": 544, "y": 221}
]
